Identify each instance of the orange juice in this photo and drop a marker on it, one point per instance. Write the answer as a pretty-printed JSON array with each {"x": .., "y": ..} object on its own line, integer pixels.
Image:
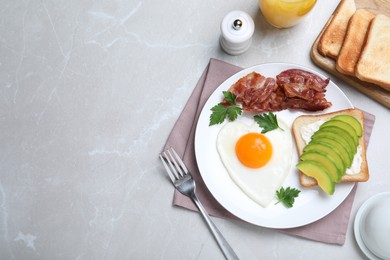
[{"x": 285, "y": 13}]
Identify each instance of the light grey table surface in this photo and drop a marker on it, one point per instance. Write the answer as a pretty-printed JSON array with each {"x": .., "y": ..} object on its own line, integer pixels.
[{"x": 89, "y": 91}]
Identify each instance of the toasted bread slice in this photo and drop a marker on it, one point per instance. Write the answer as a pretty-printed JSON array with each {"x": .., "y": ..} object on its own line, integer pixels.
[
  {"x": 304, "y": 120},
  {"x": 331, "y": 40},
  {"x": 374, "y": 62},
  {"x": 354, "y": 41}
]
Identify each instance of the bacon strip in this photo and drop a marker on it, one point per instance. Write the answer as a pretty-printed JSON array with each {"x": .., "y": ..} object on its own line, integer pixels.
[{"x": 303, "y": 89}]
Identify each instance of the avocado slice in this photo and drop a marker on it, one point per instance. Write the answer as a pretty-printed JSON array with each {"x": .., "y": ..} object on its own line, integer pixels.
[
  {"x": 328, "y": 149},
  {"x": 335, "y": 136},
  {"x": 339, "y": 148},
  {"x": 339, "y": 131},
  {"x": 345, "y": 126},
  {"x": 325, "y": 160},
  {"x": 352, "y": 121},
  {"x": 318, "y": 172}
]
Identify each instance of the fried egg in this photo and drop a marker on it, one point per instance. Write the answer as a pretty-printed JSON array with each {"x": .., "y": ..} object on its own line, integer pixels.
[{"x": 257, "y": 163}]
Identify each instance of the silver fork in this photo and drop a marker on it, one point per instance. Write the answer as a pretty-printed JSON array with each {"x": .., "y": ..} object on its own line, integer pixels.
[{"x": 185, "y": 184}]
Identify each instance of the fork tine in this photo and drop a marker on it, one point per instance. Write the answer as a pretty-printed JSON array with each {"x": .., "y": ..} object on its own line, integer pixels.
[
  {"x": 174, "y": 164},
  {"x": 170, "y": 174},
  {"x": 180, "y": 161}
]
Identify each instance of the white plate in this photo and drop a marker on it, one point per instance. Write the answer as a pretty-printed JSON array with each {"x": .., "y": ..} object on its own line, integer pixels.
[
  {"x": 311, "y": 205},
  {"x": 366, "y": 206}
]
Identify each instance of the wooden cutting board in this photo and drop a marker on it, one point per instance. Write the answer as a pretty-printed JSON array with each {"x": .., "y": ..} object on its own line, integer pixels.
[{"x": 375, "y": 92}]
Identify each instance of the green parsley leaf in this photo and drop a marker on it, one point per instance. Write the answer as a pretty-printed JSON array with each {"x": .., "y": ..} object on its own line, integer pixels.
[
  {"x": 218, "y": 115},
  {"x": 268, "y": 122},
  {"x": 233, "y": 112},
  {"x": 229, "y": 97},
  {"x": 287, "y": 196},
  {"x": 221, "y": 111}
]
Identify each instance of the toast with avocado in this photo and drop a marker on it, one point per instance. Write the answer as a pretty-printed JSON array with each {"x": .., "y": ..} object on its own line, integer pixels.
[{"x": 331, "y": 148}]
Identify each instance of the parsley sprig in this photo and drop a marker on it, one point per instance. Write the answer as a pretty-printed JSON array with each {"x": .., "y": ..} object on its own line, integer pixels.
[
  {"x": 287, "y": 196},
  {"x": 221, "y": 111},
  {"x": 267, "y": 121}
]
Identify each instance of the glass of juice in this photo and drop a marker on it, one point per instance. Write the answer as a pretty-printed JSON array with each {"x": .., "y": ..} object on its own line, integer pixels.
[{"x": 285, "y": 13}]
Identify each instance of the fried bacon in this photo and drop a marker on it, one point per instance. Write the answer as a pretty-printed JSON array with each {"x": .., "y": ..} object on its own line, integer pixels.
[
  {"x": 253, "y": 90},
  {"x": 292, "y": 89}
]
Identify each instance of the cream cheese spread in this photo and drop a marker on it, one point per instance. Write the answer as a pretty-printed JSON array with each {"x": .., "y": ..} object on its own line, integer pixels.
[
  {"x": 356, "y": 163},
  {"x": 308, "y": 130}
]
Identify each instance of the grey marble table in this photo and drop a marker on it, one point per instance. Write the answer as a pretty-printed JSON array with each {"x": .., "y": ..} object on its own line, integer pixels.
[{"x": 89, "y": 91}]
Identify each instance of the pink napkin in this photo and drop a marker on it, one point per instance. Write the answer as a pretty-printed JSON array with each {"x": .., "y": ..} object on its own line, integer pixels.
[{"x": 330, "y": 229}]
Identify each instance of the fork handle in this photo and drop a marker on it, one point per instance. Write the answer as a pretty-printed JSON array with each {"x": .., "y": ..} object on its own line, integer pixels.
[{"x": 223, "y": 244}]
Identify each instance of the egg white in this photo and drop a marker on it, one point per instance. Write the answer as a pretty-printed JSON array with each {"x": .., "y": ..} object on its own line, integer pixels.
[{"x": 259, "y": 184}]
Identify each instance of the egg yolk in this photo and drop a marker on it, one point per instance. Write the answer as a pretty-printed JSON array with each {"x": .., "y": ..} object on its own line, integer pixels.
[{"x": 253, "y": 150}]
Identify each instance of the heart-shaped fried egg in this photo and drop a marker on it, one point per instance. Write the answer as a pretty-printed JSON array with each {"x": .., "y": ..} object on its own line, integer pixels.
[{"x": 258, "y": 163}]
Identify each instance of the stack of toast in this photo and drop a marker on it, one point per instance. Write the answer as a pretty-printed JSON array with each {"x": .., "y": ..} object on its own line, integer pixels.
[{"x": 358, "y": 41}]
